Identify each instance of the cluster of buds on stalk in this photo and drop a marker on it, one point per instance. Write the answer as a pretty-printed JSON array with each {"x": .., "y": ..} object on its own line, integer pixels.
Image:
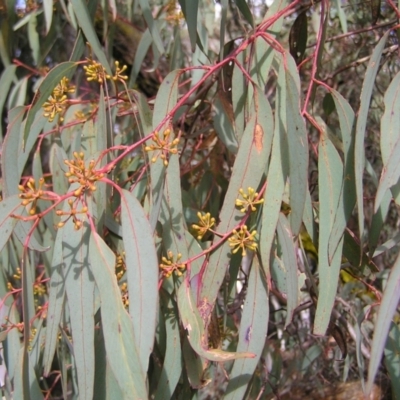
[
  {"x": 85, "y": 176},
  {"x": 163, "y": 146},
  {"x": 72, "y": 213},
  {"x": 170, "y": 265},
  {"x": 58, "y": 102},
  {"x": 31, "y": 194}
]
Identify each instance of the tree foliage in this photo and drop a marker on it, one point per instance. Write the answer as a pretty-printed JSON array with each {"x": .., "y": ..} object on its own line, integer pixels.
[{"x": 199, "y": 199}]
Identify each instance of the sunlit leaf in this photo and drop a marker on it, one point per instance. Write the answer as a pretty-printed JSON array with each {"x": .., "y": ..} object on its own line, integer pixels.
[{"x": 359, "y": 150}]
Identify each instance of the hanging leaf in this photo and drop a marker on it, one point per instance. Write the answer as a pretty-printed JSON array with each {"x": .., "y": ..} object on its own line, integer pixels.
[{"x": 298, "y": 37}]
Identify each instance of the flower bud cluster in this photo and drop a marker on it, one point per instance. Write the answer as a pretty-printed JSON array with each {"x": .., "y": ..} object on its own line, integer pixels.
[
  {"x": 96, "y": 72},
  {"x": 57, "y": 103},
  {"x": 72, "y": 213},
  {"x": 31, "y": 194},
  {"x": 243, "y": 239},
  {"x": 170, "y": 265},
  {"x": 206, "y": 222},
  {"x": 163, "y": 146},
  {"x": 85, "y": 176}
]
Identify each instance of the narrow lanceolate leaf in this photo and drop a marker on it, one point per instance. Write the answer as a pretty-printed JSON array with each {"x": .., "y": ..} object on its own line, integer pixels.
[
  {"x": 10, "y": 151},
  {"x": 347, "y": 197},
  {"x": 142, "y": 272},
  {"x": 285, "y": 237},
  {"x": 248, "y": 170},
  {"x": 329, "y": 182},
  {"x": 277, "y": 175},
  {"x": 172, "y": 367},
  {"x": 101, "y": 129},
  {"x": 392, "y": 357},
  {"x": 298, "y": 37},
  {"x": 190, "y": 9},
  {"x": 79, "y": 286},
  {"x": 6, "y": 80},
  {"x": 45, "y": 89},
  {"x": 245, "y": 10},
  {"x": 155, "y": 33},
  {"x": 390, "y": 125},
  {"x": 48, "y": 13},
  {"x": 224, "y": 122},
  {"x": 390, "y": 174},
  {"x": 174, "y": 237},
  {"x": 8, "y": 207},
  {"x": 120, "y": 344},
  {"x": 85, "y": 22},
  {"x": 194, "y": 327},
  {"x": 252, "y": 333},
  {"x": 359, "y": 150},
  {"x": 56, "y": 302},
  {"x": 298, "y": 148},
  {"x": 389, "y": 304}
]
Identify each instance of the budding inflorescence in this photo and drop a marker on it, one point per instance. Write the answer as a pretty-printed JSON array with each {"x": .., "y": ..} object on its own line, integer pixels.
[
  {"x": 249, "y": 200},
  {"x": 57, "y": 103},
  {"x": 163, "y": 145},
  {"x": 118, "y": 76},
  {"x": 94, "y": 71},
  {"x": 85, "y": 176},
  {"x": 206, "y": 222},
  {"x": 170, "y": 265},
  {"x": 31, "y": 194},
  {"x": 120, "y": 269},
  {"x": 72, "y": 213},
  {"x": 242, "y": 239}
]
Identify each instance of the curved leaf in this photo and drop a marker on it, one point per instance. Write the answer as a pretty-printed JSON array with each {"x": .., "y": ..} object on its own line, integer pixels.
[
  {"x": 194, "y": 327},
  {"x": 389, "y": 304},
  {"x": 359, "y": 150}
]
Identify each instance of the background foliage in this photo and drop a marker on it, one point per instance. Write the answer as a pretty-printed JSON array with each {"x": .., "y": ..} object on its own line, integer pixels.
[{"x": 199, "y": 199}]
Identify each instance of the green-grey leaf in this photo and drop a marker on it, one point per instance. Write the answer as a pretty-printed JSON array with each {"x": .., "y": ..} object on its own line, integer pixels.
[
  {"x": 155, "y": 33},
  {"x": 121, "y": 350},
  {"x": 8, "y": 207},
  {"x": 245, "y": 10},
  {"x": 79, "y": 286},
  {"x": 389, "y": 303},
  {"x": 56, "y": 302},
  {"x": 392, "y": 357},
  {"x": 285, "y": 237},
  {"x": 190, "y": 10},
  {"x": 172, "y": 367},
  {"x": 347, "y": 197},
  {"x": 359, "y": 151},
  {"x": 194, "y": 327},
  {"x": 298, "y": 147},
  {"x": 6, "y": 80},
  {"x": 252, "y": 333},
  {"x": 142, "y": 272},
  {"x": 329, "y": 181}
]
